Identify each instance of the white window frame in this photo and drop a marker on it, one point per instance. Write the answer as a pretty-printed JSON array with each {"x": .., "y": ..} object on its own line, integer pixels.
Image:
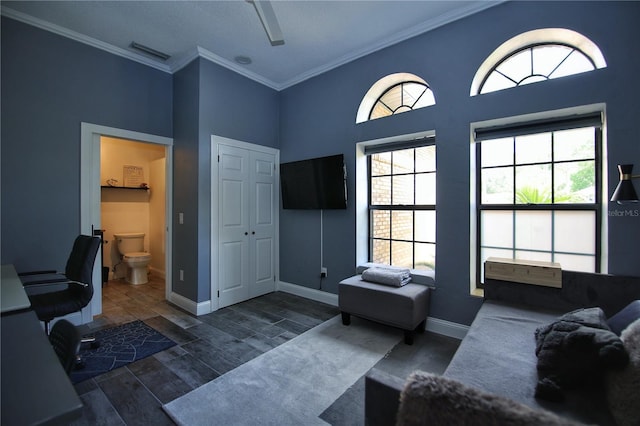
[{"x": 474, "y": 286}]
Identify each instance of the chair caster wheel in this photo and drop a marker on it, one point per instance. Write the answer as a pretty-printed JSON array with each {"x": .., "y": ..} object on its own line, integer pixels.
[{"x": 79, "y": 365}]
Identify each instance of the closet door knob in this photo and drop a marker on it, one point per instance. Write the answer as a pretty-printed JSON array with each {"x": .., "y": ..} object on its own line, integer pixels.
[{"x": 246, "y": 233}]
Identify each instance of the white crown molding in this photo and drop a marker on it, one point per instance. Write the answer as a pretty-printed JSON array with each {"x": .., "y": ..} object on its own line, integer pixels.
[
  {"x": 204, "y": 53},
  {"x": 56, "y": 29},
  {"x": 414, "y": 31},
  {"x": 175, "y": 65}
]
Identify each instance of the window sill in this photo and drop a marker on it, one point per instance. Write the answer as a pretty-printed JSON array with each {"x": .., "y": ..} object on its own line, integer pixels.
[{"x": 477, "y": 292}]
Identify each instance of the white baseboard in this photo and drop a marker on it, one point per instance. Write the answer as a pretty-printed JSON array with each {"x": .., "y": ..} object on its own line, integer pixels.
[
  {"x": 435, "y": 325},
  {"x": 447, "y": 328},
  {"x": 309, "y": 293},
  {"x": 189, "y": 305}
]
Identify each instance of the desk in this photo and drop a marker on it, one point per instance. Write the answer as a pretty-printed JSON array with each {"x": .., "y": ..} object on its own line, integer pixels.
[
  {"x": 14, "y": 298},
  {"x": 35, "y": 388}
]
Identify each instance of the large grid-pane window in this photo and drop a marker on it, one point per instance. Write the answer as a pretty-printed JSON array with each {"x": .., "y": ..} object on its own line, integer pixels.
[
  {"x": 402, "y": 198},
  {"x": 539, "y": 193}
]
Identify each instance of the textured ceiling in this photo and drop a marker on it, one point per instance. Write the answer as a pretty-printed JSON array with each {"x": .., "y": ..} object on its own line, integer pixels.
[{"x": 319, "y": 35}]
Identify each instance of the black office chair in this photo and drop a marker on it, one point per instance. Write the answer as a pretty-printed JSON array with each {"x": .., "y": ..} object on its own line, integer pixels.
[
  {"x": 73, "y": 288},
  {"x": 65, "y": 339}
]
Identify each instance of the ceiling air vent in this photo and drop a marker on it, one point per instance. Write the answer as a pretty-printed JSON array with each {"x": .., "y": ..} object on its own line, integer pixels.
[{"x": 149, "y": 51}]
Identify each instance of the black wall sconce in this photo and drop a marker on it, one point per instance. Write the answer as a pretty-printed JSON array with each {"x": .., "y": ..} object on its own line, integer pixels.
[{"x": 625, "y": 192}]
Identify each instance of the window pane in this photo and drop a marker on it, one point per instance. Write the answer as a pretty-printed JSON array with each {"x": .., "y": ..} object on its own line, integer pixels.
[
  {"x": 518, "y": 66},
  {"x": 425, "y": 226},
  {"x": 426, "y": 188},
  {"x": 533, "y": 184},
  {"x": 497, "y": 228},
  {"x": 575, "y": 182},
  {"x": 533, "y": 255},
  {"x": 533, "y": 230},
  {"x": 497, "y": 186},
  {"x": 495, "y": 82},
  {"x": 381, "y": 252},
  {"x": 381, "y": 223},
  {"x": 426, "y": 159},
  {"x": 425, "y": 256},
  {"x": 381, "y": 164},
  {"x": 393, "y": 97},
  {"x": 533, "y": 148},
  {"x": 574, "y": 144},
  {"x": 402, "y": 225},
  {"x": 412, "y": 91},
  {"x": 547, "y": 58},
  {"x": 497, "y": 152},
  {"x": 574, "y": 64},
  {"x": 573, "y": 232},
  {"x": 403, "y": 161},
  {"x": 381, "y": 190},
  {"x": 426, "y": 99},
  {"x": 570, "y": 262},
  {"x": 402, "y": 254},
  {"x": 380, "y": 110},
  {"x": 403, "y": 190}
]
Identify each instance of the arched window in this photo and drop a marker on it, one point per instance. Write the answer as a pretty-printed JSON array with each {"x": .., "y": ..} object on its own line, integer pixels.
[
  {"x": 537, "y": 56},
  {"x": 394, "y": 94}
]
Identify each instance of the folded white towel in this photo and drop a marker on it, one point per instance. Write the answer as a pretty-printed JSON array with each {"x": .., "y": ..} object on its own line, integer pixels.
[{"x": 396, "y": 277}]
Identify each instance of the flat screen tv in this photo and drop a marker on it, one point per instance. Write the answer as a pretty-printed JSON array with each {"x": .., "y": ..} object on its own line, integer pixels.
[{"x": 318, "y": 183}]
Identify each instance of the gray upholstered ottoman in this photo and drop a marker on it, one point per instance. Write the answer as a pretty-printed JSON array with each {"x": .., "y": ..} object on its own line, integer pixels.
[{"x": 405, "y": 307}]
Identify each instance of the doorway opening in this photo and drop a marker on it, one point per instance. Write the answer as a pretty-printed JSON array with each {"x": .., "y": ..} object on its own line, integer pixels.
[
  {"x": 133, "y": 194},
  {"x": 91, "y": 191}
]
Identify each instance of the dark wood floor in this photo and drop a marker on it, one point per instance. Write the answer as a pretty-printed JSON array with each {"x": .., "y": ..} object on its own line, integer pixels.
[
  {"x": 212, "y": 344},
  {"x": 207, "y": 346}
]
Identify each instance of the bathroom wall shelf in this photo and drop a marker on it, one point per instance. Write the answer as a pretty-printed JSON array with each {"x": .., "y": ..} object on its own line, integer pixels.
[{"x": 125, "y": 187}]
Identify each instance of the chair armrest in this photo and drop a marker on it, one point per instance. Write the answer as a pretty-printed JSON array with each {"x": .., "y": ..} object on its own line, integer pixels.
[
  {"x": 381, "y": 398},
  {"x": 25, "y": 274},
  {"x": 45, "y": 283}
]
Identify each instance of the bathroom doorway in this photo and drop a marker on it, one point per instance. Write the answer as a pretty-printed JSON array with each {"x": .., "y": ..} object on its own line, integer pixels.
[
  {"x": 132, "y": 200},
  {"x": 91, "y": 194}
]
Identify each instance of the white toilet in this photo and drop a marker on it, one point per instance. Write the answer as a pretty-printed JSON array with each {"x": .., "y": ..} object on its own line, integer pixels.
[{"x": 131, "y": 248}]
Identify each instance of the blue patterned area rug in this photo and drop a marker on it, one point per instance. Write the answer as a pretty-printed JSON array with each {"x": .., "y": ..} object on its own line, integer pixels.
[{"x": 120, "y": 346}]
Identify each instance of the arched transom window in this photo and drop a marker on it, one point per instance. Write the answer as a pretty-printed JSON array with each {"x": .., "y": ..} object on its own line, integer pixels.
[
  {"x": 537, "y": 56},
  {"x": 402, "y": 97},
  {"x": 394, "y": 94}
]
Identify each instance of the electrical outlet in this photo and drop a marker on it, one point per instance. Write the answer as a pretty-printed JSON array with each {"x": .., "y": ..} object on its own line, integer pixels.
[
  {"x": 323, "y": 272},
  {"x": 181, "y": 275}
]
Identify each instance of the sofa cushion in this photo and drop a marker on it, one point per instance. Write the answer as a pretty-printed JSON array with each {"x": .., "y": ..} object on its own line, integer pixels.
[{"x": 498, "y": 356}]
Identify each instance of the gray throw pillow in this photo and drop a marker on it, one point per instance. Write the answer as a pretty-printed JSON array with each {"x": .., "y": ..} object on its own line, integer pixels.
[{"x": 626, "y": 316}]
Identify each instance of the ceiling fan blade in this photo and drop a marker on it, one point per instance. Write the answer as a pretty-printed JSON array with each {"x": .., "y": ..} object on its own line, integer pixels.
[{"x": 269, "y": 21}]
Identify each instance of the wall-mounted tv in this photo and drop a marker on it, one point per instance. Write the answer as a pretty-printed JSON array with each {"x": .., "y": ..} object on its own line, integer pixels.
[{"x": 318, "y": 183}]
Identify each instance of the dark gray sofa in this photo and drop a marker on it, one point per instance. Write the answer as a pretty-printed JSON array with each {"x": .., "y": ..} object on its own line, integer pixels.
[{"x": 497, "y": 354}]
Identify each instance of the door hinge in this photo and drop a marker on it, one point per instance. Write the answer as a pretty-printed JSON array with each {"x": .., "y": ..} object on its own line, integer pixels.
[
  {"x": 218, "y": 293},
  {"x": 274, "y": 278},
  {"x": 218, "y": 158}
]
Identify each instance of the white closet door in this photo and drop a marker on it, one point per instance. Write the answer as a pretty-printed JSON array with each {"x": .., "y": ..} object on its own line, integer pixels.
[
  {"x": 233, "y": 205},
  {"x": 247, "y": 224},
  {"x": 263, "y": 228}
]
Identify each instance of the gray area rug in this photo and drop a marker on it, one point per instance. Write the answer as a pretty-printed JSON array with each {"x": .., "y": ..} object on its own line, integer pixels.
[{"x": 292, "y": 384}]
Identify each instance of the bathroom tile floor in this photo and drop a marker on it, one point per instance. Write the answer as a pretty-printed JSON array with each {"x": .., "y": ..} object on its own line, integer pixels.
[{"x": 207, "y": 346}]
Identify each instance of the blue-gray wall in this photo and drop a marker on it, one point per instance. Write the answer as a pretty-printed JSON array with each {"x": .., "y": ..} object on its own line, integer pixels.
[
  {"x": 50, "y": 84},
  {"x": 318, "y": 118},
  {"x": 209, "y": 100}
]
